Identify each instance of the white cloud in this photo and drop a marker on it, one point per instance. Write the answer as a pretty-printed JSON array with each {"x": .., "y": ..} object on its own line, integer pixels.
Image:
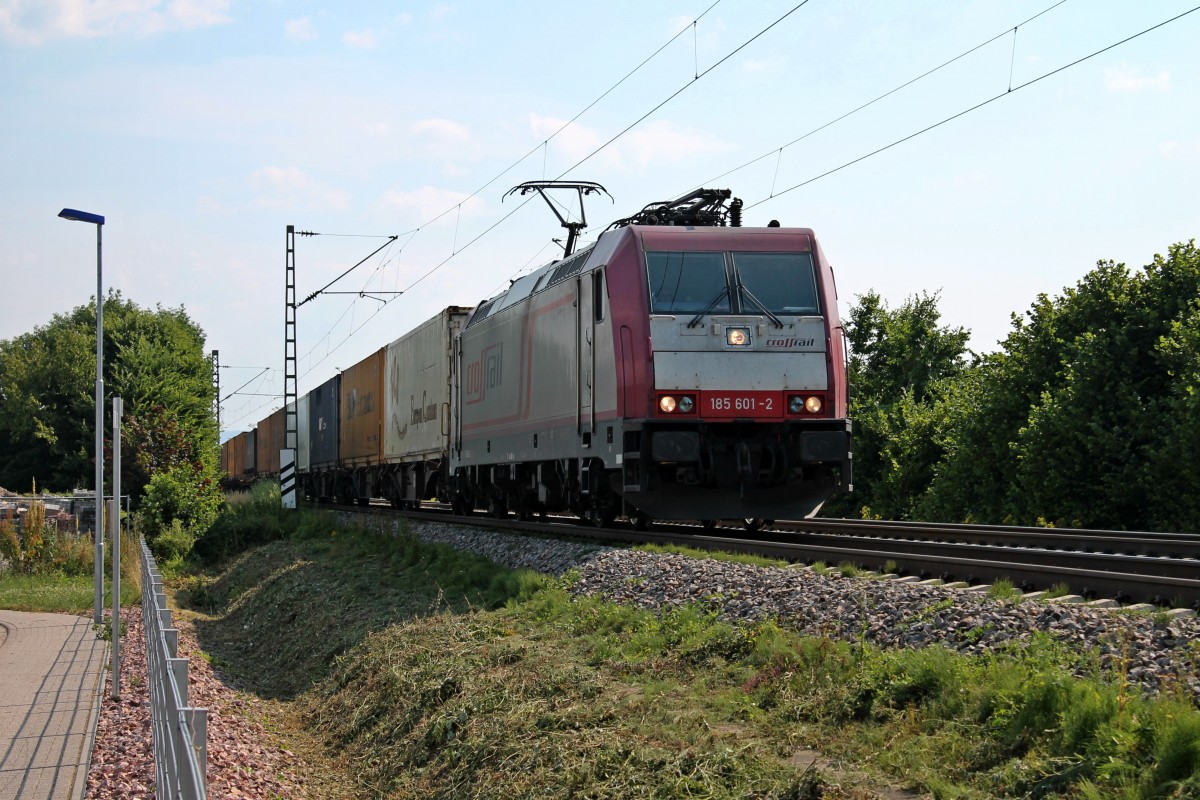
[
  {"x": 403, "y": 20},
  {"x": 1179, "y": 150},
  {"x": 1125, "y": 78},
  {"x": 33, "y": 22},
  {"x": 377, "y": 129},
  {"x": 441, "y": 129},
  {"x": 429, "y": 202},
  {"x": 574, "y": 142},
  {"x": 665, "y": 142},
  {"x": 300, "y": 29},
  {"x": 657, "y": 142},
  {"x": 364, "y": 40},
  {"x": 199, "y": 13},
  {"x": 443, "y": 139},
  {"x": 965, "y": 180},
  {"x": 290, "y": 188},
  {"x": 677, "y": 24}
]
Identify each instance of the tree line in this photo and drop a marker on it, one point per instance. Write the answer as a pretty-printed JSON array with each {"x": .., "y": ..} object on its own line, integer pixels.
[{"x": 1088, "y": 414}]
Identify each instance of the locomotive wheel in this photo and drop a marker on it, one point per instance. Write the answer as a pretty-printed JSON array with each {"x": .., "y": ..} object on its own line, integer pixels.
[{"x": 640, "y": 521}]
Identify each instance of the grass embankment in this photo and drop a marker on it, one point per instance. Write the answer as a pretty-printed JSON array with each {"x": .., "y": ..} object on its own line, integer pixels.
[{"x": 402, "y": 661}]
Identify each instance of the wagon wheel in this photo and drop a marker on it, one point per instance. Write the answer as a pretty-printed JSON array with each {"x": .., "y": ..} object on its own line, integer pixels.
[
  {"x": 752, "y": 524},
  {"x": 462, "y": 504},
  {"x": 497, "y": 507},
  {"x": 708, "y": 524},
  {"x": 640, "y": 521}
]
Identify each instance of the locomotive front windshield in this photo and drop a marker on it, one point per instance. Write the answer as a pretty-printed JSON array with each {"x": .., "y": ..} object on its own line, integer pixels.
[
  {"x": 694, "y": 283},
  {"x": 783, "y": 283},
  {"x": 687, "y": 283}
]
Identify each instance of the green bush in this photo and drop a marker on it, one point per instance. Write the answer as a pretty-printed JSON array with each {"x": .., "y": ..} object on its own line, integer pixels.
[
  {"x": 249, "y": 522},
  {"x": 180, "y": 495},
  {"x": 172, "y": 545}
]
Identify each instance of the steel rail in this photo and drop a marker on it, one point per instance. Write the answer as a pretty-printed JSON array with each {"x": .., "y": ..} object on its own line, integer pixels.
[
  {"x": 1093, "y": 575},
  {"x": 1148, "y": 543}
]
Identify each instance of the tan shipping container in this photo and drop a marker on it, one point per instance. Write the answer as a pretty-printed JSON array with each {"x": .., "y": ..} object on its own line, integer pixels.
[
  {"x": 360, "y": 418},
  {"x": 269, "y": 443}
]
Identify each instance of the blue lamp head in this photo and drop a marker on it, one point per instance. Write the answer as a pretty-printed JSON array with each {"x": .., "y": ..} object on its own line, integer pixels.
[{"x": 81, "y": 216}]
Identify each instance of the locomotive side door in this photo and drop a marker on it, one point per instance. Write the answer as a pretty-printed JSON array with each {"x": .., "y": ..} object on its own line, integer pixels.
[{"x": 585, "y": 355}]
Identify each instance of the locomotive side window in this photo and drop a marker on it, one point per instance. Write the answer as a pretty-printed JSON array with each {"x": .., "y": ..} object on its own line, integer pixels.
[
  {"x": 784, "y": 282},
  {"x": 687, "y": 283},
  {"x": 598, "y": 294}
]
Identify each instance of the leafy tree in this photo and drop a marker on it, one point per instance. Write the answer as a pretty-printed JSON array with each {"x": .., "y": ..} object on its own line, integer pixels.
[
  {"x": 900, "y": 362},
  {"x": 1085, "y": 415},
  {"x": 154, "y": 359}
]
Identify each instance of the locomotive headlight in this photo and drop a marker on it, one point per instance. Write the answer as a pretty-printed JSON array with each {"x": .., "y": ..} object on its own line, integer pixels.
[
  {"x": 737, "y": 337},
  {"x": 799, "y": 404},
  {"x": 686, "y": 404},
  {"x": 667, "y": 404}
]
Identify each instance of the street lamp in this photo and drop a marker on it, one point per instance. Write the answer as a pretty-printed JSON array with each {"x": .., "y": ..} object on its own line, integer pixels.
[{"x": 98, "y": 534}]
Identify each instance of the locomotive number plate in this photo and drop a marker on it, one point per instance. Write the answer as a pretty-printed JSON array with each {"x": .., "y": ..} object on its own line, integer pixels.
[{"x": 741, "y": 404}]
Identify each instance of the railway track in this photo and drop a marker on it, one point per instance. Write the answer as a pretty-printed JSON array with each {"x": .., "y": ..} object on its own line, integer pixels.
[{"x": 1129, "y": 567}]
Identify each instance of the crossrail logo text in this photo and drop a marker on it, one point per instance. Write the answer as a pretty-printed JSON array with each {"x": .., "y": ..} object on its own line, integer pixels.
[{"x": 486, "y": 372}]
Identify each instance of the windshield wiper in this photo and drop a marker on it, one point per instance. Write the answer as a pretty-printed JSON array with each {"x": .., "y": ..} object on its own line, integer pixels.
[
  {"x": 708, "y": 308},
  {"x": 776, "y": 321}
]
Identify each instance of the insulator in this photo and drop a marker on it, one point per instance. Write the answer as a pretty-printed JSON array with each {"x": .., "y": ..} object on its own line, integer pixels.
[{"x": 735, "y": 213}]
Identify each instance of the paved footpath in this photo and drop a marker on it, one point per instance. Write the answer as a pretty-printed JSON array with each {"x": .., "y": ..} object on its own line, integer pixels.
[{"x": 51, "y": 674}]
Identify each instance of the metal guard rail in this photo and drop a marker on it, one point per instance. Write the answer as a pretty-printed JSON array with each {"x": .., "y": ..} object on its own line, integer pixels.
[{"x": 180, "y": 732}]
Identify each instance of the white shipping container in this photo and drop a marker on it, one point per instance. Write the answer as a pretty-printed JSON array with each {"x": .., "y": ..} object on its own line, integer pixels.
[{"x": 417, "y": 393}]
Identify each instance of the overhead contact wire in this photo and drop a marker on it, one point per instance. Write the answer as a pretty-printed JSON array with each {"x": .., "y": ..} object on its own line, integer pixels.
[
  {"x": 979, "y": 105},
  {"x": 887, "y": 94}
]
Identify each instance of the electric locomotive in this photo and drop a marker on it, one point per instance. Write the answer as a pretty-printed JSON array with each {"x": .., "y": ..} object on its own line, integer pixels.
[{"x": 681, "y": 367}]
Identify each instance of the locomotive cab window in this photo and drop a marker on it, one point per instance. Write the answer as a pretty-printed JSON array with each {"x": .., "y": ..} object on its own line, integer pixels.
[
  {"x": 783, "y": 283},
  {"x": 687, "y": 283}
]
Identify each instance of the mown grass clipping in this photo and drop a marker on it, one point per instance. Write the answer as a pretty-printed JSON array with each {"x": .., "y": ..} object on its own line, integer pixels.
[{"x": 427, "y": 673}]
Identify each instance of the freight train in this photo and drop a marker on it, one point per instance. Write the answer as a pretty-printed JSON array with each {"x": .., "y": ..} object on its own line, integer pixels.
[{"x": 682, "y": 367}]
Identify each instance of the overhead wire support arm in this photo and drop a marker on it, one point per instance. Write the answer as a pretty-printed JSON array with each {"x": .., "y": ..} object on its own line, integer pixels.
[
  {"x": 323, "y": 289},
  {"x": 582, "y": 188}
]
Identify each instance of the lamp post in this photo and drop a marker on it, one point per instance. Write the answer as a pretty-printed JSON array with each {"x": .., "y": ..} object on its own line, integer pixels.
[{"x": 98, "y": 534}]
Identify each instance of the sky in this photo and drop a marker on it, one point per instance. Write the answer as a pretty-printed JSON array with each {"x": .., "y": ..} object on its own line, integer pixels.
[{"x": 200, "y": 129}]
